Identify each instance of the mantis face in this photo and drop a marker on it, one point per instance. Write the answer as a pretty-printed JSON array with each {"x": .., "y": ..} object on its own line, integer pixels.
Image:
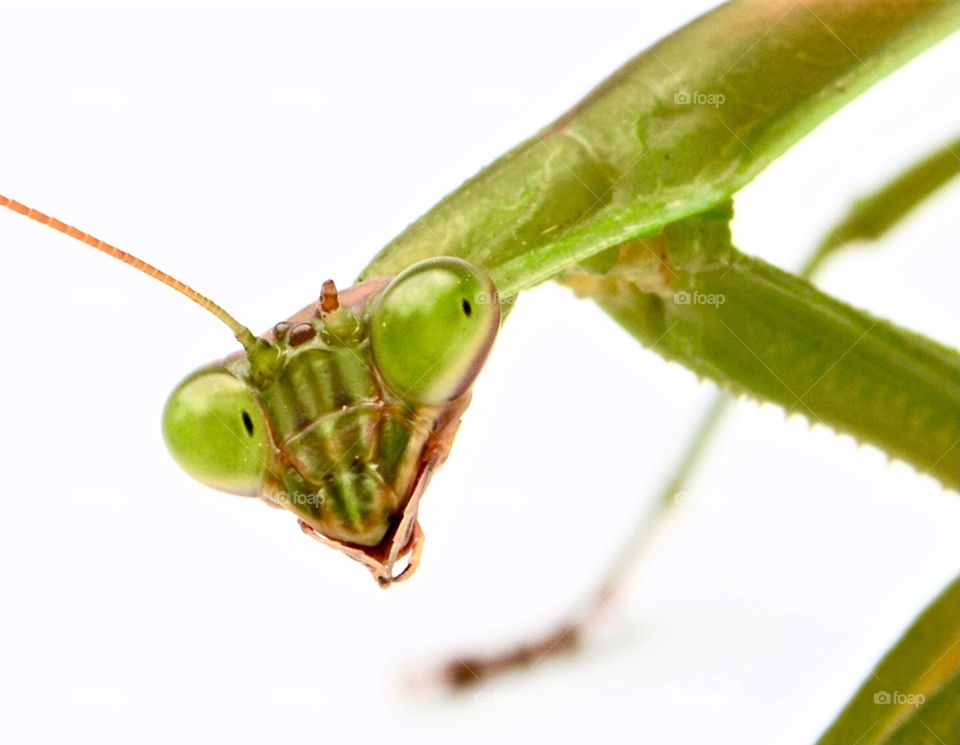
[{"x": 341, "y": 413}]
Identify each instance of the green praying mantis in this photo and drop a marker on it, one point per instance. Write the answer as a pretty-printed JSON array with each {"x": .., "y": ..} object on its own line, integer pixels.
[{"x": 341, "y": 413}]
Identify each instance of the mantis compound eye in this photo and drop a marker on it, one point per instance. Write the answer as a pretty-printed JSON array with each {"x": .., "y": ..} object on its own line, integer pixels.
[
  {"x": 216, "y": 430},
  {"x": 432, "y": 328}
]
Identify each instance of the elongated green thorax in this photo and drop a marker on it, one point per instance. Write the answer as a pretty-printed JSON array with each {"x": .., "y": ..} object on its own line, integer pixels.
[{"x": 341, "y": 413}]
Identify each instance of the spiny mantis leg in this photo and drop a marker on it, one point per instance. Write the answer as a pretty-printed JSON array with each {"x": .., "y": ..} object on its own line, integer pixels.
[{"x": 868, "y": 220}]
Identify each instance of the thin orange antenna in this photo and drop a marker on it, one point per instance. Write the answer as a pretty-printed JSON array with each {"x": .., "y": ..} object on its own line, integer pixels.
[{"x": 241, "y": 332}]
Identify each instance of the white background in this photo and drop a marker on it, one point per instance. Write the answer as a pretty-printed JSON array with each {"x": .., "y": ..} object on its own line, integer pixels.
[{"x": 255, "y": 150}]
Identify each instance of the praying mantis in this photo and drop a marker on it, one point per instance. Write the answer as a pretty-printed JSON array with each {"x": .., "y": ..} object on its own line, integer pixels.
[{"x": 632, "y": 216}]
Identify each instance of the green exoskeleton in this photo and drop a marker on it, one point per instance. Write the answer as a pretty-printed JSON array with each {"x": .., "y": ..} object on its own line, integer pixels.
[{"x": 341, "y": 413}]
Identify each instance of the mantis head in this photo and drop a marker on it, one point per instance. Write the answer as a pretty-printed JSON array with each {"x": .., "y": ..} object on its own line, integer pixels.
[
  {"x": 378, "y": 378},
  {"x": 349, "y": 404}
]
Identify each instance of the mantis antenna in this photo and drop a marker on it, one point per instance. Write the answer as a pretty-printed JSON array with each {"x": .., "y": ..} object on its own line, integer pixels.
[{"x": 241, "y": 332}]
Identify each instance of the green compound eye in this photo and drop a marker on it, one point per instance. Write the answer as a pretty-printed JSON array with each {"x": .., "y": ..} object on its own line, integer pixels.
[
  {"x": 215, "y": 430},
  {"x": 432, "y": 327}
]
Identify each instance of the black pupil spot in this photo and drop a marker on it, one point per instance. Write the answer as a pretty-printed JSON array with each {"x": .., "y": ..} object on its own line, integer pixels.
[
  {"x": 247, "y": 423},
  {"x": 467, "y": 310}
]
